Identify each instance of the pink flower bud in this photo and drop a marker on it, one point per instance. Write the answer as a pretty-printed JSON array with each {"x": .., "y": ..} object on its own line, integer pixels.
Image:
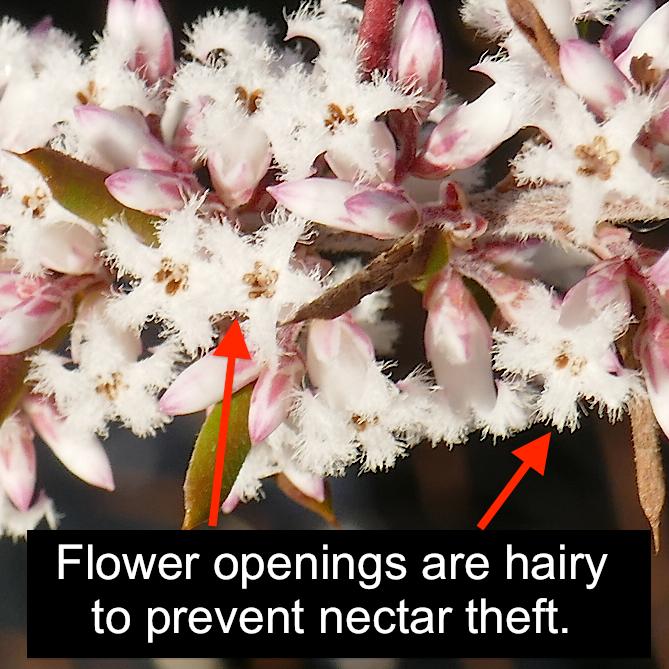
[
  {"x": 17, "y": 461},
  {"x": 310, "y": 484},
  {"x": 121, "y": 139},
  {"x": 154, "y": 192},
  {"x": 68, "y": 248},
  {"x": 649, "y": 40},
  {"x": 15, "y": 289},
  {"x": 417, "y": 54},
  {"x": 345, "y": 166},
  {"x": 604, "y": 287},
  {"x": 272, "y": 397},
  {"x": 35, "y": 319},
  {"x": 471, "y": 131},
  {"x": 629, "y": 19},
  {"x": 237, "y": 171},
  {"x": 381, "y": 212},
  {"x": 653, "y": 352},
  {"x": 659, "y": 273},
  {"x": 340, "y": 355},
  {"x": 82, "y": 454},
  {"x": 201, "y": 384},
  {"x": 458, "y": 345},
  {"x": 144, "y": 24},
  {"x": 588, "y": 72},
  {"x": 230, "y": 503}
]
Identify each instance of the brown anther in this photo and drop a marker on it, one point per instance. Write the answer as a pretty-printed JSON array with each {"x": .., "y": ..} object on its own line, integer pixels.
[
  {"x": 643, "y": 72},
  {"x": 175, "y": 277},
  {"x": 337, "y": 116},
  {"x": 262, "y": 281},
  {"x": 565, "y": 359},
  {"x": 597, "y": 159},
  {"x": 250, "y": 101},
  {"x": 36, "y": 202},
  {"x": 361, "y": 423},
  {"x": 88, "y": 95},
  {"x": 111, "y": 386},
  {"x": 561, "y": 361},
  {"x": 216, "y": 58}
]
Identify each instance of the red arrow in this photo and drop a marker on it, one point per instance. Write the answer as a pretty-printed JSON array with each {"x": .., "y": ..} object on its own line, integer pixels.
[
  {"x": 534, "y": 456},
  {"x": 232, "y": 346}
]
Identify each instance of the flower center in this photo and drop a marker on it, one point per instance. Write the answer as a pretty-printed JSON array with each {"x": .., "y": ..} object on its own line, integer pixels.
[
  {"x": 565, "y": 360},
  {"x": 261, "y": 281},
  {"x": 596, "y": 159},
  {"x": 249, "y": 101},
  {"x": 175, "y": 277},
  {"x": 110, "y": 387},
  {"x": 336, "y": 116},
  {"x": 36, "y": 202},
  {"x": 361, "y": 423},
  {"x": 89, "y": 94}
]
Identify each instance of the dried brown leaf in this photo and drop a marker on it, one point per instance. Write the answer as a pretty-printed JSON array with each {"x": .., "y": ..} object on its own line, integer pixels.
[
  {"x": 526, "y": 16},
  {"x": 323, "y": 509}
]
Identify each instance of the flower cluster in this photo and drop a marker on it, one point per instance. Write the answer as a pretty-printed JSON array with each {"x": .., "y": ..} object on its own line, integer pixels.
[{"x": 263, "y": 174}]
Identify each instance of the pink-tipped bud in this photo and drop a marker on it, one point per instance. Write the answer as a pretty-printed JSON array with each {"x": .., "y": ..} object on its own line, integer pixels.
[
  {"x": 471, "y": 131},
  {"x": 416, "y": 58},
  {"x": 201, "y": 384},
  {"x": 458, "y": 345},
  {"x": 272, "y": 397},
  {"x": 121, "y": 139},
  {"x": 659, "y": 273},
  {"x": 35, "y": 319},
  {"x": 145, "y": 27},
  {"x": 653, "y": 352},
  {"x": 310, "y": 484},
  {"x": 237, "y": 171},
  {"x": 604, "y": 287},
  {"x": 82, "y": 454},
  {"x": 231, "y": 502},
  {"x": 15, "y": 289},
  {"x": 649, "y": 40},
  {"x": 154, "y": 192},
  {"x": 381, "y": 212},
  {"x": 345, "y": 342},
  {"x": 588, "y": 72},
  {"x": 619, "y": 34},
  {"x": 17, "y": 461},
  {"x": 68, "y": 248}
]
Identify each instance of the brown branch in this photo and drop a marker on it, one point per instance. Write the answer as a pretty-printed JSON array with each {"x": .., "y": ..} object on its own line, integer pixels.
[
  {"x": 404, "y": 261},
  {"x": 376, "y": 33}
]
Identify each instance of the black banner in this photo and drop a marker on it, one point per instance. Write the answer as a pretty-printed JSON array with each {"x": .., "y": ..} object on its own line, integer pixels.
[{"x": 338, "y": 594}]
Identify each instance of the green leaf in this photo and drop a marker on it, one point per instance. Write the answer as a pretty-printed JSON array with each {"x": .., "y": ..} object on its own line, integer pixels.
[
  {"x": 435, "y": 263},
  {"x": 199, "y": 477},
  {"x": 81, "y": 189},
  {"x": 323, "y": 509}
]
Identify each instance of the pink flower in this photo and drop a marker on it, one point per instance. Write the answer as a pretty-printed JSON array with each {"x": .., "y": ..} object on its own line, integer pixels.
[
  {"x": 17, "y": 461},
  {"x": 201, "y": 384},
  {"x": 384, "y": 213},
  {"x": 153, "y": 191},
  {"x": 588, "y": 72},
  {"x": 458, "y": 345},
  {"x": 653, "y": 352},
  {"x": 82, "y": 454},
  {"x": 629, "y": 19},
  {"x": 34, "y": 310},
  {"x": 144, "y": 24},
  {"x": 122, "y": 138},
  {"x": 273, "y": 396},
  {"x": 417, "y": 53}
]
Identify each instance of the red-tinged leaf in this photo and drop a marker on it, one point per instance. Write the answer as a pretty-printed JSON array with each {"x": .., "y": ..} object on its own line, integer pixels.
[
  {"x": 81, "y": 189},
  {"x": 323, "y": 509},
  {"x": 13, "y": 370},
  {"x": 199, "y": 477}
]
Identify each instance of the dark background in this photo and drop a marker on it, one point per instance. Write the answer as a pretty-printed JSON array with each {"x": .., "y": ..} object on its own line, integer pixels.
[{"x": 589, "y": 482}]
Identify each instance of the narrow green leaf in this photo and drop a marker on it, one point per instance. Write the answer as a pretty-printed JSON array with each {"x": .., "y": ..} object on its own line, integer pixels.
[
  {"x": 435, "y": 263},
  {"x": 323, "y": 509},
  {"x": 81, "y": 189},
  {"x": 199, "y": 477}
]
